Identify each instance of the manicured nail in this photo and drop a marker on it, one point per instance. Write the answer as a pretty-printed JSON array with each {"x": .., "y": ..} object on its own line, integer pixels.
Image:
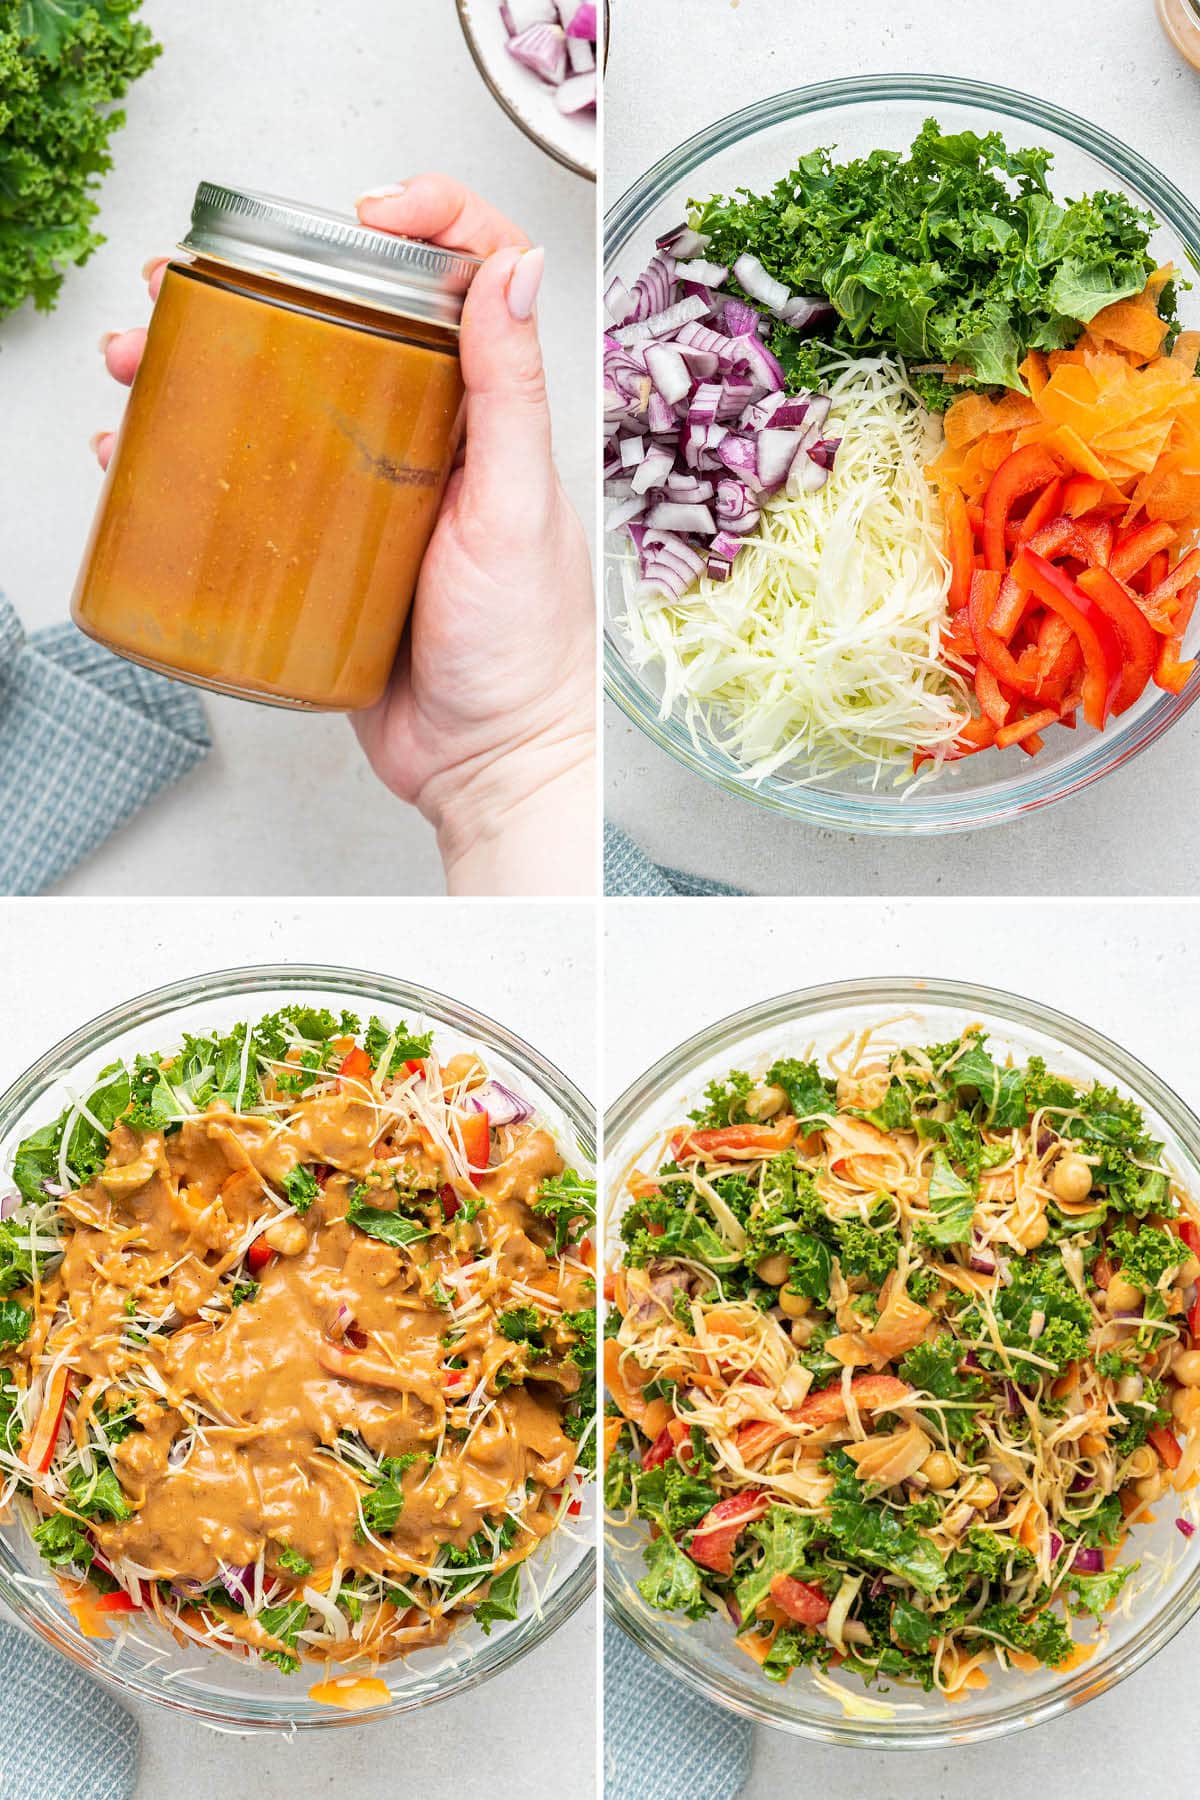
[
  {"x": 106, "y": 339},
  {"x": 151, "y": 263},
  {"x": 95, "y": 441},
  {"x": 524, "y": 282},
  {"x": 391, "y": 191}
]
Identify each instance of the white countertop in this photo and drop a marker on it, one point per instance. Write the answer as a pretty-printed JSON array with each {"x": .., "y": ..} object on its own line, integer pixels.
[
  {"x": 1136, "y": 832},
  {"x": 532, "y": 969},
  {"x": 1128, "y": 970},
  {"x": 317, "y": 103}
]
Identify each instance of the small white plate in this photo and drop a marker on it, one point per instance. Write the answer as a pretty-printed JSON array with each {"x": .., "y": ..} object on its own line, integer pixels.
[{"x": 570, "y": 139}]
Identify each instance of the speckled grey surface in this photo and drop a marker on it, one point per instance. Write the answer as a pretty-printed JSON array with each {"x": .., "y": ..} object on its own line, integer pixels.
[
  {"x": 1137, "y": 832},
  {"x": 318, "y": 103}
]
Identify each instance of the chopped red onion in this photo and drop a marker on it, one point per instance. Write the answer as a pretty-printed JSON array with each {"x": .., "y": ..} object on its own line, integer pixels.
[
  {"x": 577, "y": 93},
  {"x": 1186, "y": 1526},
  {"x": 661, "y": 324},
  {"x": 9, "y": 1205},
  {"x": 1012, "y": 1399},
  {"x": 718, "y": 568},
  {"x": 709, "y": 275},
  {"x": 760, "y": 286},
  {"x": 543, "y": 50},
  {"x": 800, "y": 312},
  {"x": 1082, "y": 1484},
  {"x": 238, "y": 1581},
  {"x": 682, "y": 241},
  {"x": 739, "y": 319},
  {"x": 669, "y": 515},
  {"x": 1056, "y": 1545},
  {"x": 580, "y": 54},
  {"x": 726, "y": 545},
  {"x": 618, "y": 300},
  {"x": 1088, "y": 1562},
  {"x": 668, "y": 372},
  {"x": 519, "y": 15},
  {"x": 776, "y": 451},
  {"x": 580, "y": 19},
  {"x": 501, "y": 1105}
]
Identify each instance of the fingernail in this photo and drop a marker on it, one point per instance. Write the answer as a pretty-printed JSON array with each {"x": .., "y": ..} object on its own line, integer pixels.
[
  {"x": 106, "y": 339},
  {"x": 391, "y": 191},
  {"x": 95, "y": 440},
  {"x": 524, "y": 282},
  {"x": 151, "y": 263}
]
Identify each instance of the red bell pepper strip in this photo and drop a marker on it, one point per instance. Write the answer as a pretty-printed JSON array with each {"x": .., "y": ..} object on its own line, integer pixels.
[
  {"x": 1186, "y": 569},
  {"x": 1019, "y": 474},
  {"x": 1171, "y": 674},
  {"x": 450, "y": 1201},
  {"x": 799, "y": 1600},
  {"x": 1098, "y": 641},
  {"x": 974, "y": 736},
  {"x": 1135, "y": 551},
  {"x": 1139, "y": 640},
  {"x": 1021, "y": 730},
  {"x": 1010, "y": 609},
  {"x": 723, "y": 1140},
  {"x": 40, "y": 1452},
  {"x": 1189, "y": 1232},
  {"x": 992, "y": 650},
  {"x": 1047, "y": 506},
  {"x": 476, "y": 1140},
  {"x": 258, "y": 1256},
  {"x": 1167, "y": 1445},
  {"x": 870, "y": 1392},
  {"x": 355, "y": 1068},
  {"x": 960, "y": 549},
  {"x": 660, "y": 1451},
  {"x": 722, "y": 1526},
  {"x": 116, "y": 1602},
  {"x": 415, "y": 1065},
  {"x": 1156, "y": 570},
  {"x": 1097, "y": 536},
  {"x": 990, "y": 696}
]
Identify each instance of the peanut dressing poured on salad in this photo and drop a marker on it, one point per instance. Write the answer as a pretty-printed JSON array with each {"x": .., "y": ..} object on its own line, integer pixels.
[{"x": 317, "y": 1395}]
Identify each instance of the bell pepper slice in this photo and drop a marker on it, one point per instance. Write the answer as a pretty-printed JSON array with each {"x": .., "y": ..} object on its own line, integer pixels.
[
  {"x": 1024, "y": 472},
  {"x": 116, "y": 1602},
  {"x": 960, "y": 549},
  {"x": 1098, "y": 640},
  {"x": 737, "y": 1140},
  {"x": 1021, "y": 730},
  {"x": 1139, "y": 641},
  {"x": 476, "y": 1139},
  {"x": 355, "y": 1068},
  {"x": 1047, "y": 506},
  {"x": 1167, "y": 1445},
  {"x": 1186, "y": 569},
  {"x": 39, "y": 1453},
  {"x": 1171, "y": 674},
  {"x": 991, "y": 648},
  {"x": 800, "y": 1600},
  {"x": 258, "y": 1256},
  {"x": 720, "y": 1528},
  {"x": 1137, "y": 547},
  {"x": 990, "y": 695}
]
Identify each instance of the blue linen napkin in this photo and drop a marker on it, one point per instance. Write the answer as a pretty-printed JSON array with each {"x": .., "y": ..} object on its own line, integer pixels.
[
  {"x": 63, "y": 1736},
  {"x": 661, "y": 1741},
  {"x": 628, "y": 871},
  {"x": 86, "y": 739}
]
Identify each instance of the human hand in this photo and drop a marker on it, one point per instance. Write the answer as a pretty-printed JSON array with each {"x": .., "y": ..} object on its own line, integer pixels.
[{"x": 488, "y": 722}]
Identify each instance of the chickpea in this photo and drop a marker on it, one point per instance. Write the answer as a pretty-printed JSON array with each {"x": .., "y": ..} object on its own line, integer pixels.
[
  {"x": 802, "y": 1330},
  {"x": 795, "y": 1306},
  {"x": 463, "y": 1070},
  {"x": 982, "y": 1493},
  {"x": 1150, "y": 1487},
  {"x": 1122, "y": 1295},
  {"x": 288, "y": 1236},
  {"x": 1186, "y": 1368},
  {"x": 939, "y": 1471},
  {"x": 1071, "y": 1178},
  {"x": 1035, "y": 1232},
  {"x": 1143, "y": 1462},
  {"x": 774, "y": 1269},
  {"x": 764, "y": 1102},
  {"x": 1185, "y": 1407}
]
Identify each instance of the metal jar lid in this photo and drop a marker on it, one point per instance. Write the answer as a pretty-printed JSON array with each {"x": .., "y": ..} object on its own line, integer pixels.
[{"x": 329, "y": 253}]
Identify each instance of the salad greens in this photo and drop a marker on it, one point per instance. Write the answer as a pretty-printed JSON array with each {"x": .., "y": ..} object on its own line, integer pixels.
[
  {"x": 63, "y": 66},
  {"x": 909, "y": 1246},
  {"x": 956, "y": 256}
]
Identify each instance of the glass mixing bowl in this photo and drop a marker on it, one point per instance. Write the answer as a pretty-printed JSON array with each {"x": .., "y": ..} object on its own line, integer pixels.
[
  {"x": 147, "y": 1664},
  {"x": 754, "y": 148},
  {"x": 811, "y": 1022}
]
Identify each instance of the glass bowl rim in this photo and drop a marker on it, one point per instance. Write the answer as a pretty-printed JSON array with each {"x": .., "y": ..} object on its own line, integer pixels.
[
  {"x": 1000, "y": 802},
  {"x": 1001, "y": 1005},
  {"x": 248, "y": 1713}
]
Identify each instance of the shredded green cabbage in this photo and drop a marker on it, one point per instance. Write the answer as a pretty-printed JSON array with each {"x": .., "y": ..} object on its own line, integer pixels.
[{"x": 821, "y": 651}]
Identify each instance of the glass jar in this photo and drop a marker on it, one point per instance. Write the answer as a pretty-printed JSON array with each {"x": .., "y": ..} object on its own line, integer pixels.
[
  {"x": 1181, "y": 22},
  {"x": 283, "y": 455}
]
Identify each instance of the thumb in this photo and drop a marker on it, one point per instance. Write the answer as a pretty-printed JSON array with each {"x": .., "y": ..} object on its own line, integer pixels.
[{"x": 508, "y": 418}]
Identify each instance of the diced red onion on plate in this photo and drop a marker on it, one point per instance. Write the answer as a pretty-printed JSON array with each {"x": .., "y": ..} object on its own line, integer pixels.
[
  {"x": 556, "y": 41},
  {"x": 542, "y": 49},
  {"x": 577, "y": 93}
]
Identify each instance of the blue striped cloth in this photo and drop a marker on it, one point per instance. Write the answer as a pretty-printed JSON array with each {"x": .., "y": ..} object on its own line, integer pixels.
[
  {"x": 661, "y": 1741},
  {"x": 86, "y": 739},
  {"x": 61, "y": 1736},
  {"x": 628, "y": 871}
]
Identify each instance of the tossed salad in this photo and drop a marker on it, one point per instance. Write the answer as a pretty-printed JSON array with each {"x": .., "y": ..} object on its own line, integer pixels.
[
  {"x": 897, "y": 1358},
  {"x": 1006, "y": 544},
  {"x": 297, "y": 1344}
]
